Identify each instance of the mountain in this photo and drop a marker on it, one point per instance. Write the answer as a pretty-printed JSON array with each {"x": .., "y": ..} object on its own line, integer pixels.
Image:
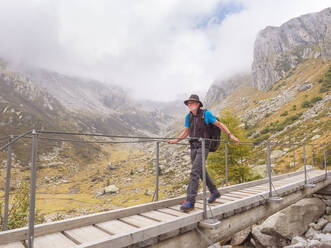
[
  {"x": 82, "y": 104},
  {"x": 277, "y": 50}
]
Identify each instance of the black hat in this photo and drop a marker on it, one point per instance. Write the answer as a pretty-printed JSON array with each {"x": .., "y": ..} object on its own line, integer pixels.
[{"x": 193, "y": 98}]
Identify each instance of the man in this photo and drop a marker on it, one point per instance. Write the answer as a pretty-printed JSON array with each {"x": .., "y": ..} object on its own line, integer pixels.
[{"x": 195, "y": 127}]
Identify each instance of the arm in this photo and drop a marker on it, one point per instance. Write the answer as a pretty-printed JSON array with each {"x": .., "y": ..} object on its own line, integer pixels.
[
  {"x": 183, "y": 135},
  {"x": 226, "y": 130}
]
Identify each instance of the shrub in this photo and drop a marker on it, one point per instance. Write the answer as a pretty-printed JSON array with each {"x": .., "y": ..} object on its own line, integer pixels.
[
  {"x": 316, "y": 99},
  {"x": 284, "y": 113},
  {"x": 306, "y": 104}
]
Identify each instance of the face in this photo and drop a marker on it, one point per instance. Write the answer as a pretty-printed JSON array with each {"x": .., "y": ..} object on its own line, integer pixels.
[{"x": 193, "y": 105}]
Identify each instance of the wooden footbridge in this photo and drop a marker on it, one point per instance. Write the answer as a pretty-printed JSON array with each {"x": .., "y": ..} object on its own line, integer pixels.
[
  {"x": 155, "y": 222},
  {"x": 162, "y": 224}
]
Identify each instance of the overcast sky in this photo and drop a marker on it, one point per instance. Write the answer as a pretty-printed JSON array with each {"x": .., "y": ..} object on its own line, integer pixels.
[{"x": 157, "y": 49}]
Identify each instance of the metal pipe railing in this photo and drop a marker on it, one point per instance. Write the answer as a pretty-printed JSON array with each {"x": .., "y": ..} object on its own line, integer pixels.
[
  {"x": 203, "y": 145},
  {"x": 157, "y": 170},
  {"x": 7, "y": 188},
  {"x": 33, "y": 180}
]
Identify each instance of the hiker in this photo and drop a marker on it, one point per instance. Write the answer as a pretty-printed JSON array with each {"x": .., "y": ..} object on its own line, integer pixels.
[{"x": 196, "y": 127}]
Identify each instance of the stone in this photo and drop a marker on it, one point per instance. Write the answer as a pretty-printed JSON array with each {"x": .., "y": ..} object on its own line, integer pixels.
[
  {"x": 241, "y": 236},
  {"x": 111, "y": 189},
  {"x": 328, "y": 210},
  {"x": 327, "y": 228},
  {"x": 295, "y": 219},
  {"x": 111, "y": 166},
  {"x": 328, "y": 217},
  {"x": 264, "y": 240},
  {"x": 140, "y": 170},
  {"x": 319, "y": 225},
  {"x": 310, "y": 233},
  {"x": 298, "y": 240},
  {"x": 327, "y": 202},
  {"x": 316, "y": 137},
  {"x": 149, "y": 192},
  {"x": 305, "y": 86},
  {"x": 323, "y": 237}
]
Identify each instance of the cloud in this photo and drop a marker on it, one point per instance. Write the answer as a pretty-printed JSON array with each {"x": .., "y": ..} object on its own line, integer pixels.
[{"x": 156, "y": 49}]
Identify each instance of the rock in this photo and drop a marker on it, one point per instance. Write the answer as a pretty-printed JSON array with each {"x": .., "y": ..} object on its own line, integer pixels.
[
  {"x": 323, "y": 237},
  {"x": 111, "y": 189},
  {"x": 140, "y": 170},
  {"x": 241, "y": 236},
  {"x": 327, "y": 202},
  {"x": 310, "y": 233},
  {"x": 264, "y": 240},
  {"x": 275, "y": 154},
  {"x": 327, "y": 228},
  {"x": 149, "y": 192},
  {"x": 328, "y": 210},
  {"x": 315, "y": 137},
  {"x": 319, "y": 225},
  {"x": 111, "y": 166},
  {"x": 279, "y": 49},
  {"x": 328, "y": 217},
  {"x": 294, "y": 220},
  {"x": 298, "y": 239},
  {"x": 305, "y": 86}
]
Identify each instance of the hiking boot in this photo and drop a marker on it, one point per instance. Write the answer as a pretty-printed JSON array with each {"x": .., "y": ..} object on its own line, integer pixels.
[
  {"x": 187, "y": 206},
  {"x": 213, "y": 197}
]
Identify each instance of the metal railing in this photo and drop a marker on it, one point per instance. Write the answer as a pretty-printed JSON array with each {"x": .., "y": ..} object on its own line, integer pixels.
[{"x": 35, "y": 135}]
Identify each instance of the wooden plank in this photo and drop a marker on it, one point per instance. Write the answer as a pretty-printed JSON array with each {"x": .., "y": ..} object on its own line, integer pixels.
[
  {"x": 240, "y": 194},
  {"x": 86, "y": 234},
  {"x": 171, "y": 211},
  {"x": 116, "y": 227},
  {"x": 223, "y": 200},
  {"x": 54, "y": 240},
  {"x": 230, "y": 197},
  {"x": 158, "y": 216},
  {"x": 139, "y": 221},
  {"x": 251, "y": 191},
  {"x": 13, "y": 245}
]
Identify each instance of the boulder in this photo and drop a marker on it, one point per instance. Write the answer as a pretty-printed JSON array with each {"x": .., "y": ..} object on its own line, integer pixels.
[
  {"x": 241, "y": 236},
  {"x": 327, "y": 228},
  {"x": 310, "y": 233},
  {"x": 325, "y": 238},
  {"x": 264, "y": 240},
  {"x": 111, "y": 189},
  {"x": 294, "y": 220}
]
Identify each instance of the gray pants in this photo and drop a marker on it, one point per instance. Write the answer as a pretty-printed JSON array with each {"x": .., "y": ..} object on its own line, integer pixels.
[{"x": 196, "y": 173}]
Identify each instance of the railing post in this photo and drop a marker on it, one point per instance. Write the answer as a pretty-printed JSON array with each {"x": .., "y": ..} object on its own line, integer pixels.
[
  {"x": 294, "y": 157},
  {"x": 33, "y": 188},
  {"x": 157, "y": 171},
  {"x": 226, "y": 164},
  {"x": 9, "y": 160},
  {"x": 326, "y": 168},
  {"x": 304, "y": 161},
  {"x": 203, "y": 145},
  {"x": 269, "y": 169},
  {"x": 312, "y": 155}
]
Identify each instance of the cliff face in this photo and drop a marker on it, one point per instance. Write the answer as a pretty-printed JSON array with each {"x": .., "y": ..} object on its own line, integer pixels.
[{"x": 279, "y": 49}]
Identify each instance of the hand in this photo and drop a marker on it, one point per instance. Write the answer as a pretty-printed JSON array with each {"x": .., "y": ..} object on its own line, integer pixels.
[
  {"x": 234, "y": 138},
  {"x": 174, "y": 141}
]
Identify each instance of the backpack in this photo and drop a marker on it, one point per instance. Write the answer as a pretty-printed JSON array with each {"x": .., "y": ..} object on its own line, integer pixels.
[{"x": 213, "y": 132}]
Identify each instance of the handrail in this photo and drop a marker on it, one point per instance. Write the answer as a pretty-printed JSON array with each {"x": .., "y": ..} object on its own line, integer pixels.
[{"x": 14, "y": 140}]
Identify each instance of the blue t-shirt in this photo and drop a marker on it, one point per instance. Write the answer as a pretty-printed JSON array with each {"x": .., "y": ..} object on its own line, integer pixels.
[{"x": 209, "y": 118}]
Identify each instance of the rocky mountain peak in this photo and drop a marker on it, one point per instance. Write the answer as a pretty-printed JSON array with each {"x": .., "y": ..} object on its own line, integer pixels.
[{"x": 277, "y": 50}]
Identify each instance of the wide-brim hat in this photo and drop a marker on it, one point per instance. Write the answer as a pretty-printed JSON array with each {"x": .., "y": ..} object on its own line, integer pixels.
[{"x": 193, "y": 98}]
